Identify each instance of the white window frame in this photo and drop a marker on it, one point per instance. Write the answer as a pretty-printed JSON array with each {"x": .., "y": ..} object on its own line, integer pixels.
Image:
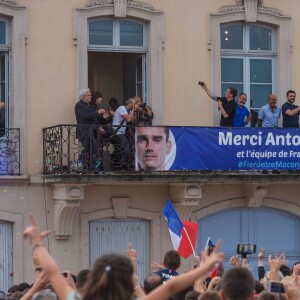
[
  {"x": 155, "y": 36},
  {"x": 246, "y": 73},
  {"x": 246, "y": 55},
  {"x": 143, "y": 57},
  {"x": 246, "y": 39},
  {"x": 116, "y": 37},
  {"x": 282, "y": 26},
  {"x": 6, "y": 50}
]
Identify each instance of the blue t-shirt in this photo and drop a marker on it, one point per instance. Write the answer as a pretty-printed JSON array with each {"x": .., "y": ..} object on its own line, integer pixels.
[
  {"x": 289, "y": 121},
  {"x": 239, "y": 118}
]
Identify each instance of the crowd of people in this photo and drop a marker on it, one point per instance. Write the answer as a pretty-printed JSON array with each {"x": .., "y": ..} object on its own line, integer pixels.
[
  {"x": 234, "y": 113},
  {"x": 97, "y": 125},
  {"x": 114, "y": 277}
]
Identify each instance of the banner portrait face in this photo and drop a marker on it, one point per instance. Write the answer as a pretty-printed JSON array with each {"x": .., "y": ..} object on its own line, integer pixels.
[{"x": 152, "y": 146}]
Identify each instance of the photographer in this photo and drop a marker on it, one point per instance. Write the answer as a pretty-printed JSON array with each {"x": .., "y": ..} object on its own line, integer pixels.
[{"x": 143, "y": 113}]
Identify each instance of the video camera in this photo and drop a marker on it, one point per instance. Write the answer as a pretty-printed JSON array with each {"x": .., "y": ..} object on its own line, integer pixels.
[{"x": 143, "y": 105}]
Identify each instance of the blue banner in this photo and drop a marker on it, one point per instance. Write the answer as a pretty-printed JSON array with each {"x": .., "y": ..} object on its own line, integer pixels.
[{"x": 208, "y": 148}]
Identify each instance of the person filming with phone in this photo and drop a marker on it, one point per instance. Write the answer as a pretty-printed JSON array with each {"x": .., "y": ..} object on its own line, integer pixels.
[{"x": 226, "y": 104}]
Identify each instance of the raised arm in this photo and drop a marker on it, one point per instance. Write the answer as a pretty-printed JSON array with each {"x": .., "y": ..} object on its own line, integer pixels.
[
  {"x": 182, "y": 281},
  {"x": 209, "y": 93},
  {"x": 48, "y": 264},
  {"x": 260, "y": 262},
  {"x": 132, "y": 254},
  {"x": 39, "y": 284}
]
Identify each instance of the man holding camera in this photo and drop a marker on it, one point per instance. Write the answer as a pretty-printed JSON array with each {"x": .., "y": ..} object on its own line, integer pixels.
[
  {"x": 123, "y": 115},
  {"x": 143, "y": 113},
  {"x": 227, "y": 104}
]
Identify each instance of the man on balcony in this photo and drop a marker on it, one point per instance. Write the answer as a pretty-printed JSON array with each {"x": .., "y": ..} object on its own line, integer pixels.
[
  {"x": 87, "y": 115},
  {"x": 269, "y": 114},
  {"x": 290, "y": 111},
  {"x": 121, "y": 156},
  {"x": 242, "y": 115},
  {"x": 226, "y": 104}
]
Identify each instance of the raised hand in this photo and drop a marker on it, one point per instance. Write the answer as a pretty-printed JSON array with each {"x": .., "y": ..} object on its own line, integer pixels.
[
  {"x": 132, "y": 254},
  {"x": 33, "y": 234},
  {"x": 235, "y": 261},
  {"x": 261, "y": 254},
  {"x": 208, "y": 261},
  {"x": 156, "y": 266}
]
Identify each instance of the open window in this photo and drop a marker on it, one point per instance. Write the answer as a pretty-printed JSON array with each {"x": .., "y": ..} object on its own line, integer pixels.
[{"x": 117, "y": 52}]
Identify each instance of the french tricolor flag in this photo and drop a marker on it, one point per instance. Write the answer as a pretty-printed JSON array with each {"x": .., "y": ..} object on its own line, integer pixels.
[
  {"x": 210, "y": 246},
  {"x": 183, "y": 233}
]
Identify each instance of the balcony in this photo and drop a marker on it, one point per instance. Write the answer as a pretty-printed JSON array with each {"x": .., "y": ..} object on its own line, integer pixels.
[
  {"x": 71, "y": 150},
  {"x": 10, "y": 151}
]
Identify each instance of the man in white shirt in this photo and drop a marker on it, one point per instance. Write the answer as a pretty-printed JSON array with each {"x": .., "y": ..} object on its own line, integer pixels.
[{"x": 121, "y": 156}]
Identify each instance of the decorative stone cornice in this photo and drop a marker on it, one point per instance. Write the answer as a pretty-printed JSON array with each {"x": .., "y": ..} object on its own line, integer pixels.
[
  {"x": 231, "y": 8},
  {"x": 251, "y": 7},
  {"x": 92, "y": 3},
  {"x": 141, "y": 5},
  {"x": 270, "y": 10},
  {"x": 130, "y": 3},
  {"x": 11, "y": 2}
]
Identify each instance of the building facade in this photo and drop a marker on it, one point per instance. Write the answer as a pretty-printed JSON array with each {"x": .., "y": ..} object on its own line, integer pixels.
[{"x": 158, "y": 50}]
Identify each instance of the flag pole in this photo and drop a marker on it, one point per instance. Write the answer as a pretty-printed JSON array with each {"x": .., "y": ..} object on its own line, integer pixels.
[
  {"x": 189, "y": 241},
  {"x": 207, "y": 242}
]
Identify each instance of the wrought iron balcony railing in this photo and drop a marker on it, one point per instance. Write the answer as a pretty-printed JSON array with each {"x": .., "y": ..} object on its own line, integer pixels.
[
  {"x": 91, "y": 149},
  {"x": 9, "y": 151},
  {"x": 86, "y": 149}
]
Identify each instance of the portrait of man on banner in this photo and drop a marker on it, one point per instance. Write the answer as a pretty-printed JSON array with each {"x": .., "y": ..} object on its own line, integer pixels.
[{"x": 155, "y": 148}]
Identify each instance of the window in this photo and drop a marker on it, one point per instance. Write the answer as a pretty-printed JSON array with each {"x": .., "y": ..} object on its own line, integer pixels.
[
  {"x": 117, "y": 34},
  {"x": 117, "y": 52},
  {"x": 141, "y": 27},
  {"x": 3, "y": 34},
  {"x": 248, "y": 61},
  {"x": 101, "y": 32}
]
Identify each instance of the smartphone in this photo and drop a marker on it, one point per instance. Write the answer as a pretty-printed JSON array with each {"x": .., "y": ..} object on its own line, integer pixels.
[
  {"x": 201, "y": 83},
  {"x": 246, "y": 249},
  {"x": 276, "y": 287}
]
